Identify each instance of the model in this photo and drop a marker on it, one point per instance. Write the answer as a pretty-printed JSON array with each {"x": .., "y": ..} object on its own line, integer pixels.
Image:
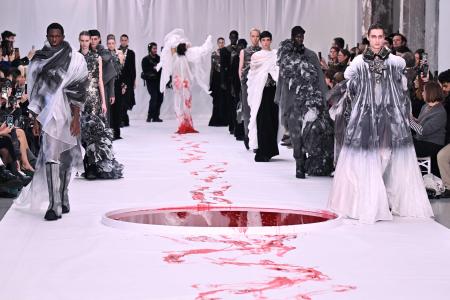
[
  {"x": 377, "y": 174},
  {"x": 185, "y": 64}
]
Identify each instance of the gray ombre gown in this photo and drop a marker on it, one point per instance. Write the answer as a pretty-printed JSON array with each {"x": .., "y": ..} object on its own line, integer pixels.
[{"x": 377, "y": 174}]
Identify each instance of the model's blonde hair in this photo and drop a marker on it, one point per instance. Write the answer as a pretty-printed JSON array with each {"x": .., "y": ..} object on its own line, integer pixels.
[{"x": 255, "y": 29}]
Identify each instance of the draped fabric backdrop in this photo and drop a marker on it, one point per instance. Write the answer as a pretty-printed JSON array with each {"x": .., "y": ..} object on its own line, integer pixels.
[{"x": 145, "y": 21}]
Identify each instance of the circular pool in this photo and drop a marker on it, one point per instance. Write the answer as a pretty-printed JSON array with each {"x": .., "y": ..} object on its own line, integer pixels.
[{"x": 204, "y": 219}]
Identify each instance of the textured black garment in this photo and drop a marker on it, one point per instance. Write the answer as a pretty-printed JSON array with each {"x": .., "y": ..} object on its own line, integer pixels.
[
  {"x": 96, "y": 138},
  {"x": 127, "y": 77},
  {"x": 229, "y": 77},
  {"x": 219, "y": 115},
  {"x": 267, "y": 124},
  {"x": 301, "y": 97}
]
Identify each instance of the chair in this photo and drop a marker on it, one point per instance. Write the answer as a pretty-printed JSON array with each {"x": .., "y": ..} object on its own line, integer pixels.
[{"x": 424, "y": 164}]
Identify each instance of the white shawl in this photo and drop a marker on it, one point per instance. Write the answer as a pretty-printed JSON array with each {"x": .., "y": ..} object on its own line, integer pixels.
[{"x": 262, "y": 64}]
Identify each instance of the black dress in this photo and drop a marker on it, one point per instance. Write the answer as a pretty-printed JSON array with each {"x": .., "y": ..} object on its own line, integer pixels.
[
  {"x": 219, "y": 115},
  {"x": 267, "y": 123}
]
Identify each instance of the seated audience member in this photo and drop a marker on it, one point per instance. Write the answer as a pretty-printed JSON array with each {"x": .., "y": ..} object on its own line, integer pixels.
[
  {"x": 429, "y": 127},
  {"x": 443, "y": 157}
]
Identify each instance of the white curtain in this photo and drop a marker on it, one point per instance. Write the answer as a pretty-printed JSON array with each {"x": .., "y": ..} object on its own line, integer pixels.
[{"x": 145, "y": 21}]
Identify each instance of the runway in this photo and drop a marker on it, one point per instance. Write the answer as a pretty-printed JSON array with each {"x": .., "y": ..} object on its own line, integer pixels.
[{"x": 79, "y": 257}]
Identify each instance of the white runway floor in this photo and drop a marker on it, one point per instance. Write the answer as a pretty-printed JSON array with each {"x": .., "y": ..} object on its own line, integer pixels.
[{"x": 78, "y": 257}]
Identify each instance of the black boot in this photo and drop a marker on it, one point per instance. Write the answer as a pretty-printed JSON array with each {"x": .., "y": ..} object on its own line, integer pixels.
[
  {"x": 64, "y": 188},
  {"x": 300, "y": 169},
  {"x": 246, "y": 143},
  {"x": 54, "y": 208}
]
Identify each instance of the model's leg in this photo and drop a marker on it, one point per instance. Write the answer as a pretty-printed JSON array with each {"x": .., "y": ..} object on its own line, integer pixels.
[
  {"x": 151, "y": 103},
  {"x": 54, "y": 208},
  {"x": 64, "y": 177},
  {"x": 295, "y": 127},
  {"x": 116, "y": 113}
]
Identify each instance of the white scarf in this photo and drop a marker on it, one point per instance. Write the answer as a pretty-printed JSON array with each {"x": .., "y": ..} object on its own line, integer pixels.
[{"x": 262, "y": 64}]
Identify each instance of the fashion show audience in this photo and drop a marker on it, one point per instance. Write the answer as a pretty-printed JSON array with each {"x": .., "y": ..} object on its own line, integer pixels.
[{"x": 251, "y": 95}]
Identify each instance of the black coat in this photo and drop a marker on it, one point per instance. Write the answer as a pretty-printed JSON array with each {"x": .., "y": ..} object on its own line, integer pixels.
[
  {"x": 149, "y": 73},
  {"x": 128, "y": 77}
]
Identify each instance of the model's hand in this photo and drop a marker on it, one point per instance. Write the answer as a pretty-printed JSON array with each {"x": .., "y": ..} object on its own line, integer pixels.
[
  {"x": 112, "y": 100},
  {"x": 75, "y": 126}
]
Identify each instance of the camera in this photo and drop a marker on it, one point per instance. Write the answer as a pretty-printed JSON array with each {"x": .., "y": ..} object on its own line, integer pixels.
[
  {"x": 10, "y": 120},
  {"x": 424, "y": 67},
  {"x": 19, "y": 93},
  {"x": 5, "y": 92}
]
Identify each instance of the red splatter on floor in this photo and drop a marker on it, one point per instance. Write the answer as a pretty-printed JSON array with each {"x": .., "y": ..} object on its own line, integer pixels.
[{"x": 279, "y": 275}]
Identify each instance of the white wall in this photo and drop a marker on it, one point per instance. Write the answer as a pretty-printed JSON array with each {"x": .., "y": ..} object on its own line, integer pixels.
[
  {"x": 444, "y": 35},
  {"x": 149, "y": 20}
]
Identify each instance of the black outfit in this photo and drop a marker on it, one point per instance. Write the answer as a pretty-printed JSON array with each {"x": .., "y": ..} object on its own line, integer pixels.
[
  {"x": 109, "y": 73},
  {"x": 229, "y": 75},
  {"x": 152, "y": 79},
  {"x": 219, "y": 115},
  {"x": 267, "y": 123},
  {"x": 126, "y": 101}
]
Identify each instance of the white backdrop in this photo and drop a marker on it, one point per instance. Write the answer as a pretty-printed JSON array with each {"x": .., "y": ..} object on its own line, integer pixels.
[{"x": 149, "y": 20}]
